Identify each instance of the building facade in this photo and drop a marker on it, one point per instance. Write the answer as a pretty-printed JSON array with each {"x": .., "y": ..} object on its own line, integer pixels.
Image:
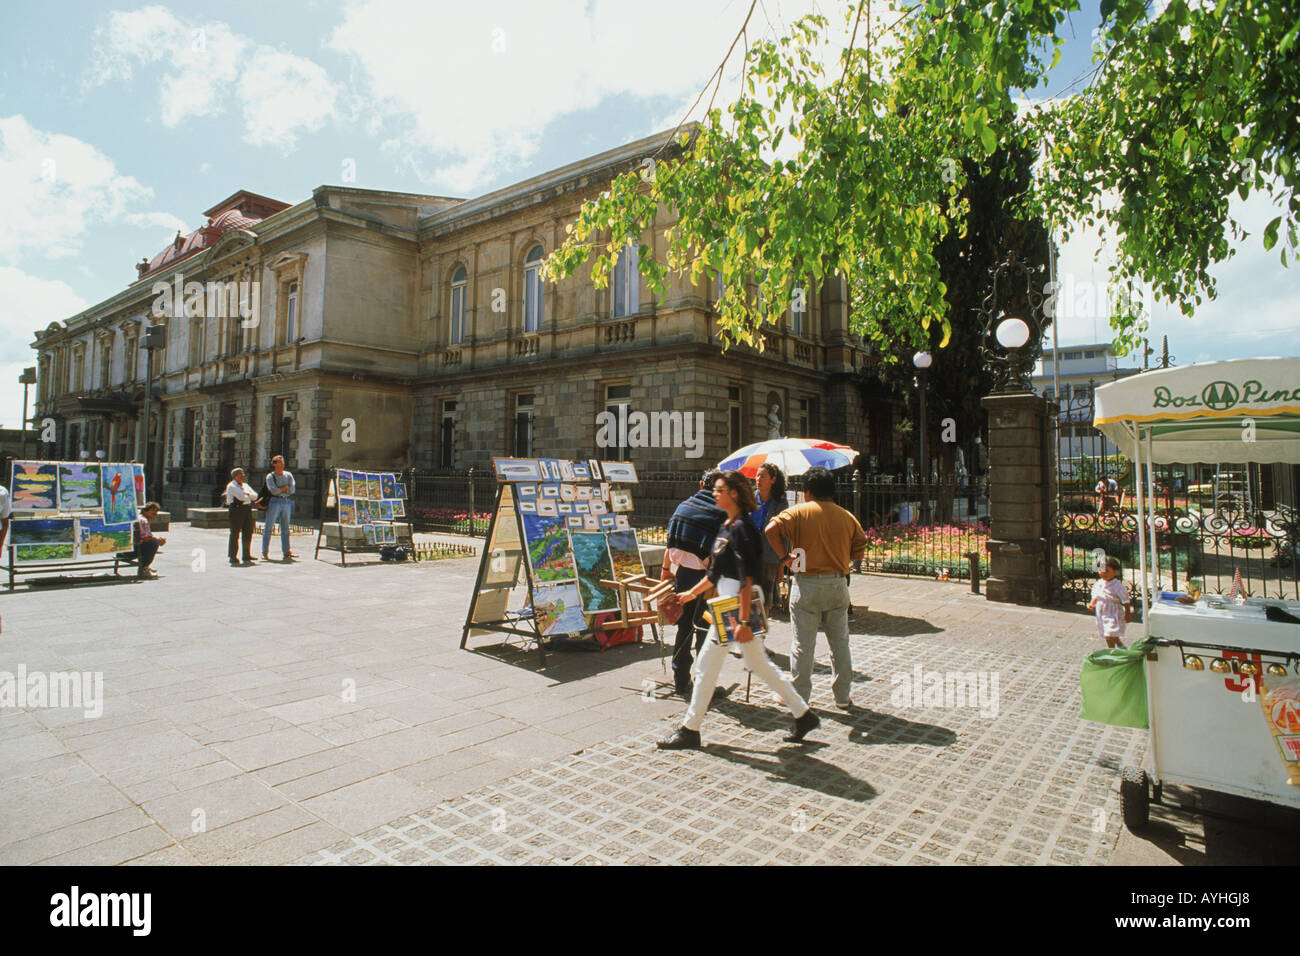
[
  {"x": 1069, "y": 375},
  {"x": 371, "y": 329}
]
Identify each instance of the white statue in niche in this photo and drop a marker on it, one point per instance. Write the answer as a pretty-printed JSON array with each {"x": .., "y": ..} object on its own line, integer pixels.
[{"x": 774, "y": 421}]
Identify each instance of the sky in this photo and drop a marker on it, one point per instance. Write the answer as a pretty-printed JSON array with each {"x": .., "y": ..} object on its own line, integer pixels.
[{"x": 121, "y": 123}]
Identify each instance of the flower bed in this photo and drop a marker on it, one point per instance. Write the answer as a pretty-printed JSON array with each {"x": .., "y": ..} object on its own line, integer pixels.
[
  {"x": 913, "y": 548},
  {"x": 452, "y": 519}
]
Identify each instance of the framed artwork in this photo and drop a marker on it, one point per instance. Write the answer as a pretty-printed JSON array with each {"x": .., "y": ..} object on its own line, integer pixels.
[
  {"x": 591, "y": 560},
  {"x": 620, "y": 499},
  {"x": 574, "y": 521},
  {"x": 386, "y": 510},
  {"x": 401, "y": 490},
  {"x": 399, "y": 508},
  {"x": 582, "y": 507},
  {"x": 33, "y": 486},
  {"x": 584, "y": 492},
  {"x": 550, "y": 553},
  {"x": 624, "y": 553},
  {"x": 593, "y": 468},
  {"x": 623, "y": 471},
  {"x": 345, "y": 483},
  {"x": 138, "y": 471},
  {"x": 374, "y": 488},
  {"x": 590, "y": 523},
  {"x": 547, "y": 506},
  {"x": 528, "y": 507},
  {"x": 526, "y": 491},
  {"x": 580, "y": 471},
  {"x": 599, "y": 507},
  {"x": 607, "y": 522},
  {"x": 621, "y": 523},
  {"x": 518, "y": 469},
  {"x": 564, "y": 507},
  {"x": 549, "y": 491},
  {"x": 372, "y": 533},
  {"x": 331, "y": 495},
  {"x": 96, "y": 537},
  {"x": 568, "y": 492},
  {"x": 37, "y": 531},
  {"x": 388, "y": 485}
]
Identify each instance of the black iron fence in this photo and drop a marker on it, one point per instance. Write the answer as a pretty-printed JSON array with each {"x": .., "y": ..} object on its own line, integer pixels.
[{"x": 1212, "y": 521}]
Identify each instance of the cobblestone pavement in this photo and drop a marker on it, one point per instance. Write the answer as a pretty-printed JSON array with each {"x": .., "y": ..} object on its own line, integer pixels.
[{"x": 881, "y": 784}]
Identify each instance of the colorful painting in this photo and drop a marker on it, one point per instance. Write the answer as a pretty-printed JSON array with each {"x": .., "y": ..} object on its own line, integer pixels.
[
  {"x": 549, "y": 552},
  {"x": 374, "y": 487},
  {"x": 388, "y": 484},
  {"x": 347, "y": 510},
  {"x": 399, "y": 508},
  {"x": 624, "y": 553},
  {"x": 386, "y": 534},
  {"x": 138, "y": 471},
  {"x": 345, "y": 484},
  {"x": 372, "y": 511},
  {"x": 117, "y": 493},
  {"x": 96, "y": 537},
  {"x": 33, "y": 486},
  {"x": 79, "y": 487},
  {"x": 371, "y": 534},
  {"x": 385, "y": 511},
  {"x": 557, "y": 609},
  {"x": 44, "y": 552},
  {"x": 30, "y": 531},
  {"x": 401, "y": 490},
  {"x": 591, "y": 558}
]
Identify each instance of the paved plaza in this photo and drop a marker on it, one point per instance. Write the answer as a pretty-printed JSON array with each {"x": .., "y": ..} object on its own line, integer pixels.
[{"x": 309, "y": 713}]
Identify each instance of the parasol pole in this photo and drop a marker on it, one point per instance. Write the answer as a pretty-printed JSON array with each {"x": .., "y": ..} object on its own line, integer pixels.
[{"x": 1142, "y": 541}]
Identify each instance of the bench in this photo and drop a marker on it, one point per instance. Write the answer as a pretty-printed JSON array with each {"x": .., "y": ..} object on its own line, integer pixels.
[{"x": 208, "y": 517}]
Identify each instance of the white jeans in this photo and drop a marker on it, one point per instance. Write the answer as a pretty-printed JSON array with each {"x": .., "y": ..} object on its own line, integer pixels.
[{"x": 708, "y": 664}]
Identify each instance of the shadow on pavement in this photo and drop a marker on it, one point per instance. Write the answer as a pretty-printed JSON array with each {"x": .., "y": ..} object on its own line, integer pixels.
[
  {"x": 796, "y": 765},
  {"x": 569, "y": 665},
  {"x": 891, "y": 625},
  {"x": 1234, "y": 831},
  {"x": 865, "y": 726}
]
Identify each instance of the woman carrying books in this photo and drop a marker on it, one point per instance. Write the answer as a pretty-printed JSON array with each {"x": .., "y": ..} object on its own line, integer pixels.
[{"x": 735, "y": 565}]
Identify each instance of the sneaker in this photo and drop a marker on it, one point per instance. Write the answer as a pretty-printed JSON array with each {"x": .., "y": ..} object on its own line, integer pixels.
[
  {"x": 682, "y": 739},
  {"x": 802, "y": 725}
]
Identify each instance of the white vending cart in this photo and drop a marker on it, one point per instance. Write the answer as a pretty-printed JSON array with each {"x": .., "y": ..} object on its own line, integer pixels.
[{"x": 1223, "y": 678}]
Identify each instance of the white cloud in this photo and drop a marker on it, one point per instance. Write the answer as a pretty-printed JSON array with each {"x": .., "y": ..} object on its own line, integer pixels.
[
  {"x": 473, "y": 86},
  {"x": 208, "y": 66},
  {"x": 163, "y": 224},
  {"x": 52, "y": 187},
  {"x": 30, "y": 304}
]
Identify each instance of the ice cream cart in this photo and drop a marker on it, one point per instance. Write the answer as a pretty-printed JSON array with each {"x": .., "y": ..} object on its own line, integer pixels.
[{"x": 1223, "y": 676}]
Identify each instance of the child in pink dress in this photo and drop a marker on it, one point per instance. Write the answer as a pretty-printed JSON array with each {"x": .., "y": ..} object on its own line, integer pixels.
[{"x": 1110, "y": 600}]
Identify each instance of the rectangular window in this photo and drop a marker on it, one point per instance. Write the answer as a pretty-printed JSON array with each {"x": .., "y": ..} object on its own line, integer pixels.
[
  {"x": 457, "y": 332},
  {"x": 532, "y": 299},
  {"x": 626, "y": 284},
  {"x": 196, "y": 342},
  {"x": 447, "y": 438},
  {"x": 524, "y": 426},
  {"x": 618, "y": 402},
  {"x": 735, "y": 421},
  {"x": 291, "y": 314},
  {"x": 806, "y": 417},
  {"x": 105, "y": 362}
]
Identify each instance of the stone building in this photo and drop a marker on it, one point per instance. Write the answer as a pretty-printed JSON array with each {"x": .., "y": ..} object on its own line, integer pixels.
[{"x": 372, "y": 329}]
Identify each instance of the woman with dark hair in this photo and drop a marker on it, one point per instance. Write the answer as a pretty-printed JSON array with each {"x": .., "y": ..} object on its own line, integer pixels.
[
  {"x": 771, "y": 502},
  {"x": 734, "y": 566}
]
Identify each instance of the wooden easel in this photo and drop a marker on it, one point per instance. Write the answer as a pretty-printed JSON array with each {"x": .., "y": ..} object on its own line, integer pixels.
[{"x": 649, "y": 591}]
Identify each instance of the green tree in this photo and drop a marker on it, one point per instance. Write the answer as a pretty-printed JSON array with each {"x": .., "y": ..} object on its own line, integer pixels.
[{"x": 1181, "y": 111}]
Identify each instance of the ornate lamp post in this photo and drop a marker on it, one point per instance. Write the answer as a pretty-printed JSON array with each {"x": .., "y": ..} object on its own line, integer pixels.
[
  {"x": 1020, "y": 462},
  {"x": 921, "y": 361}
]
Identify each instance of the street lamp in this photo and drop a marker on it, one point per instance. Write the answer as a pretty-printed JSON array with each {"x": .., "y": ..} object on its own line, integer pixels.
[
  {"x": 1013, "y": 322},
  {"x": 155, "y": 337},
  {"x": 922, "y": 360},
  {"x": 26, "y": 379}
]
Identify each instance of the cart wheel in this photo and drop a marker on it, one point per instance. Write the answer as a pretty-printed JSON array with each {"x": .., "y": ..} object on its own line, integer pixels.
[{"x": 1134, "y": 802}]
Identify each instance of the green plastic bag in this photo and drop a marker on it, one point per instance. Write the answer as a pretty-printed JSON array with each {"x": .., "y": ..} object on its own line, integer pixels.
[{"x": 1114, "y": 686}]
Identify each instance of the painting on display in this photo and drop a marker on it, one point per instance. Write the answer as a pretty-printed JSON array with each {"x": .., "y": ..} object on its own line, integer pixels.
[
  {"x": 591, "y": 558},
  {"x": 401, "y": 490},
  {"x": 619, "y": 471},
  {"x": 43, "y": 539},
  {"x": 117, "y": 493},
  {"x": 557, "y": 609},
  {"x": 374, "y": 488},
  {"x": 345, "y": 487},
  {"x": 138, "y": 471},
  {"x": 387, "y": 534},
  {"x": 388, "y": 485},
  {"x": 607, "y": 523},
  {"x": 574, "y": 521},
  {"x": 517, "y": 469},
  {"x": 624, "y": 553},
  {"x": 528, "y": 507},
  {"x": 621, "y": 523},
  {"x": 620, "y": 499},
  {"x": 399, "y": 508},
  {"x": 96, "y": 537},
  {"x": 347, "y": 511},
  {"x": 79, "y": 486},
  {"x": 33, "y": 486},
  {"x": 549, "y": 552},
  {"x": 370, "y": 534},
  {"x": 547, "y": 507},
  {"x": 385, "y": 511}
]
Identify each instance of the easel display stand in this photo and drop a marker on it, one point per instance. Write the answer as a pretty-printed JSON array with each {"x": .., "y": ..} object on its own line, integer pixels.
[
  {"x": 555, "y": 520},
  {"x": 359, "y": 500}
]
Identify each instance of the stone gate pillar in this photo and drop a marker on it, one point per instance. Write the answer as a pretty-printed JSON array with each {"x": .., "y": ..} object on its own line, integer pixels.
[{"x": 1020, "y": 499}]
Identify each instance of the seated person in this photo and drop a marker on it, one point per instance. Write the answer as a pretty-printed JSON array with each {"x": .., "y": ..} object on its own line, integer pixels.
[{"x": 147, "y": 543}]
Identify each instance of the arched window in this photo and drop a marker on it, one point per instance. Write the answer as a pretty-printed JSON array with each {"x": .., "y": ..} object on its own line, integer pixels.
[
  {"x": 533, "y": 290},
  {"x": 459, "y": 283},
  {"x": 626, "y": 286}
]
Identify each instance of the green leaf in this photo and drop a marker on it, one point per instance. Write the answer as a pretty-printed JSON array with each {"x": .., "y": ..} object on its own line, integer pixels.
[{"x": 1270, "y": 233}]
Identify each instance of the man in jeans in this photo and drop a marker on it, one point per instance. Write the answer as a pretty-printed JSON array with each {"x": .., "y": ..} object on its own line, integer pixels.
[
  {"x": 830, "y": 540},
  {"x": 691, "y": 531},
  {"x": 281, "y": 486}
]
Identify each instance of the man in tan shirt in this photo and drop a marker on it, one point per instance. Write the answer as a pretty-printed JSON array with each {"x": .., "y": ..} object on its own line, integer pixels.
[{"x": 830, "y": 540}]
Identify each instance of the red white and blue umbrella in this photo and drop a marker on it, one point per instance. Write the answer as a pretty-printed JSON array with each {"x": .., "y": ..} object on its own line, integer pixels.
[{"x": 793, "y": 456}]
